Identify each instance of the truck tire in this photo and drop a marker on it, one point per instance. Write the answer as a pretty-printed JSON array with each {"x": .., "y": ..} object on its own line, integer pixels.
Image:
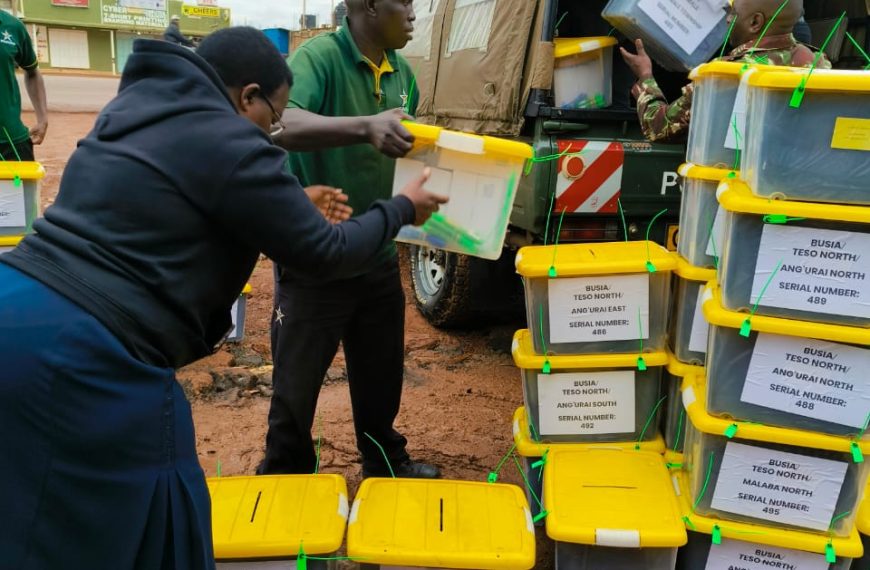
[
  {"x": 453, "y": 290},
  {"x": 442, "y": 286}
]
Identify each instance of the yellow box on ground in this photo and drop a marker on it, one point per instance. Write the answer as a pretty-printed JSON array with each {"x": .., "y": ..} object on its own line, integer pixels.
[
  {"x": 611, "y": 508},
  {"x": 441, "y": 524},
  {"x": 271, "y": 517}
]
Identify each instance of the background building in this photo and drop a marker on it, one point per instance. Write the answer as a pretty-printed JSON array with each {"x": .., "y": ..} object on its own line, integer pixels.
[{"x": 98, "y": 35}]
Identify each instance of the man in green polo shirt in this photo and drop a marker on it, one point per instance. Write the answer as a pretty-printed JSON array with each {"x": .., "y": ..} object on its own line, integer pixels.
[
  {"x": 350, "y": 93},
  {"x": 16, "y": 49}
]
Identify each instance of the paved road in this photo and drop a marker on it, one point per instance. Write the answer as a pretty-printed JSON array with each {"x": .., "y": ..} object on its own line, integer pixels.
[{"x": 74, "y": 94}]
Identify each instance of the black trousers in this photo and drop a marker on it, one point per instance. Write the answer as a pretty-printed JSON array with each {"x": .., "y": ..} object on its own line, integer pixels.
[
  {"x": 24, "y": 148},
  {"x": 367, "y": 315}
]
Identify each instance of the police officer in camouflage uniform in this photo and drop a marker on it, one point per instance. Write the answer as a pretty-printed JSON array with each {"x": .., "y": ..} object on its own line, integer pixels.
[{"x": 665, "y": 122}]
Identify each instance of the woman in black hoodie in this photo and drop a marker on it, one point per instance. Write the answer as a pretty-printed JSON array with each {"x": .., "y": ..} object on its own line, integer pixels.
[{"x": 162, "y": 212}]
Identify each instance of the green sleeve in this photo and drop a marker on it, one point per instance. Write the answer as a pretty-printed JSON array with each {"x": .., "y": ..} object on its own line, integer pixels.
[
  {"x": 26, "y": 58},
  {"x": 309, "y": 81}
]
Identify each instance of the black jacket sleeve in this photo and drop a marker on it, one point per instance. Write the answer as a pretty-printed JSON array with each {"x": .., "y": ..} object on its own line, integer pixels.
[{"x": 270, "y": 211}]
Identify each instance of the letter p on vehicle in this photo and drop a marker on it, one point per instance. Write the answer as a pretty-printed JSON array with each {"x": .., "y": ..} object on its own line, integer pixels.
[{"x": 669, "y": 180}]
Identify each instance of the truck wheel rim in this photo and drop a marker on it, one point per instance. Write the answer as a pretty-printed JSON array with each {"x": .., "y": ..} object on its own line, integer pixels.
[{"x": 430, "y": 267}]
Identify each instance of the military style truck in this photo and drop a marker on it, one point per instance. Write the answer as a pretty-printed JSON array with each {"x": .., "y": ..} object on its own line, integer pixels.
[{"x": 486, "y": 66}]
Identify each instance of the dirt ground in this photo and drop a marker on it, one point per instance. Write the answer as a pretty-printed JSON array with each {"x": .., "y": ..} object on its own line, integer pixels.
[{"x": 461, "y": 388}]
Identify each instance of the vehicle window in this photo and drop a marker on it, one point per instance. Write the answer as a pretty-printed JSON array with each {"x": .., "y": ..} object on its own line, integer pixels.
[
  {"x": 472, "y": 22},
  {"x": 421, "y": 45}
]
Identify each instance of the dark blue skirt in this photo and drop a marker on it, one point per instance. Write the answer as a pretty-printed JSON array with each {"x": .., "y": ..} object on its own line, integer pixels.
[{"x": 98, "y": 465}]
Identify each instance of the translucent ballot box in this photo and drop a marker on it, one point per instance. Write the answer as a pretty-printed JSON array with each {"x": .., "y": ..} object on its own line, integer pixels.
[
  {"x": 863, "y": 526},
  {"x": 717, "y": 544},
  {"x": 772, "y": 476},
  {"x": 613, "y": 509},
  {"x": 677, "y": 34},
  {"x": 480, "y": 176},
  {"x": 675, "y": 414},
  {"x": 8, "y": 243},
  {"x": 698, "y": 215},
  {"x": 436, "y": 524},
  {"x": 534, "y": 455},
  {"x": 19, "y": 196},
  {"x": 791, "y": 374},
  {"x": 584, "y": 72},
  {"x": 238, "y": 313},
  {"x": 689, "y": 327},
  {"x": 271, "y": 521},
  {"x": 795, "y": 260},
  {"x": 817, "y": 152},
  {"x": 592, "y": 398},
  {"x": 597, "y": 298},
  {"x": 712, "y": 140}
]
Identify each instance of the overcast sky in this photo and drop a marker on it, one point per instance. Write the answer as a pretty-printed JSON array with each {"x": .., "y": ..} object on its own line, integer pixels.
[{"x": 275, "y": 13}]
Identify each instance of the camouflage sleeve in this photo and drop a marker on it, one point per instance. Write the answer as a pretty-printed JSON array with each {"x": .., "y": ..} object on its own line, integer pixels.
[{"x": 660, "y": 121}]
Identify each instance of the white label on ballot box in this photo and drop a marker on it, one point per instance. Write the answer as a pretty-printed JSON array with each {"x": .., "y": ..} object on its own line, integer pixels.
[
  {"x": 739, "y": 555},
  {"x": 823, "y": 271},
  {"x": 687, "y": 23},
  {"x": 586, "y": 309},
  {"x": 700, "y": 326},
  {"x": 234, "y": 316},
  {"x": 12, "y": 213},
  {"x": 813, "y": 378},
  {"x": 586, "y": 403},
  {"x": 786, "y": 488}
]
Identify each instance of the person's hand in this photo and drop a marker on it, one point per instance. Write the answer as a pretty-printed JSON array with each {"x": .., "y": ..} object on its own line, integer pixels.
[
  {"x": 386, "y": 133},
  {"x": 331, "y": 202},
  {"x": 425, "y": 203},
  {"x": 640, "y": 63},
  {"x": 37, "y": 133}
]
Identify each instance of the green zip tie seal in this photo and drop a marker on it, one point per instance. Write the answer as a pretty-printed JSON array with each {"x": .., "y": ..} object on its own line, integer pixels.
[
  {"x": 16, "y": 181},
  {"x": 622, "y": 217},
  {"x": 830, "y": 553},
  {"x": 731, "y": 431},
  {"x": 717, "y": 534},
  {"x": 547, "y": 367},
  {"x": 746, "y": 327},
  {"x": 797, "y": 96},
  {"x": 493, "y": 475},
  {"x": 641, "y": 364},
  {"x": 649, "y": 264},
  {"x": 384, "y": 453},
  {"x": 780, "y": 219},
  {"x": 688, "y": 522},
  {"x": 673, "y": 465},
  {"x": 219, "y": 468},
  {"x": 857, "y": 455}
]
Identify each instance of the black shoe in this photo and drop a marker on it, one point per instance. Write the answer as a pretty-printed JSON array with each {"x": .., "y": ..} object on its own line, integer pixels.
[{"x": 408, "y": 470}]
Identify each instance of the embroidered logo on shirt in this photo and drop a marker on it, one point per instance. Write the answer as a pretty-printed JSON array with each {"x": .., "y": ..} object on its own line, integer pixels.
[{"x": 7, "y": 38}]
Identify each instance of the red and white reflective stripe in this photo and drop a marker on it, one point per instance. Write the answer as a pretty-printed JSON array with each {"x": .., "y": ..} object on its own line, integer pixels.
[{"x": 591, "y": 181}]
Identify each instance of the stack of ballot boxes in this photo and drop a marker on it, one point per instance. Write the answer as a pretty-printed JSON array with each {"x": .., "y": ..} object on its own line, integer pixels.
[
  {"x": 773, "y": 467},
  {"x": 591, "y": 363}
]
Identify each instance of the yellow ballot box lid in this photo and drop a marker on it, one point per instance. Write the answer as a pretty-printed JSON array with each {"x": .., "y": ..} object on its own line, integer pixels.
[
  {"x": 247, "y": 289},
  {"x": 693, "y": 273},
  {"x": 677, "y": 368},
  {"x": 524, "y": 357},
  {"x": 10, "y": 241},
  {"x": 426, "y": 135},
  {"x": 442, "y": 524},
  {"x": 24, "y": 170},
  {"x": 847, "y": 547},
  {"x": 695, "y": 396},
  {"x": 708, "y": 173},
  {"x": 528, "y": 447},
  {"x": 566, "y": 47},
  {"x": 611, "y": 497},
  {"x": 735, "y": 196},
  {"x": 731, "y": 69},
  {"x": 863, "y": 519},
  {"x": 271, "y": 516},
  {"x": 719, "y": 316},
  {"x": 837, "y": 80},
  {"x": 584, "y": 259}
]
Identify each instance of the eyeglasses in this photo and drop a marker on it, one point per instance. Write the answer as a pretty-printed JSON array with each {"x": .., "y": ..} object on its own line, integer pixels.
[{"x": 277, "y": 123}]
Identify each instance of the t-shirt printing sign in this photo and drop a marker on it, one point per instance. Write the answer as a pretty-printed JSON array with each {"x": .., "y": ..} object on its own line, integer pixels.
[
  {"x": 785, "y": 488},
  {"x": 685, "y": 22},
  {"x": 12, "y": 213},
  {"x": 739, "y": 555},
  {"x": 818, "y": 379},
  {"x": 585, "y": 403},
  {"x": 586, "y": 309},
  {"x": 823, "y": 271}
]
